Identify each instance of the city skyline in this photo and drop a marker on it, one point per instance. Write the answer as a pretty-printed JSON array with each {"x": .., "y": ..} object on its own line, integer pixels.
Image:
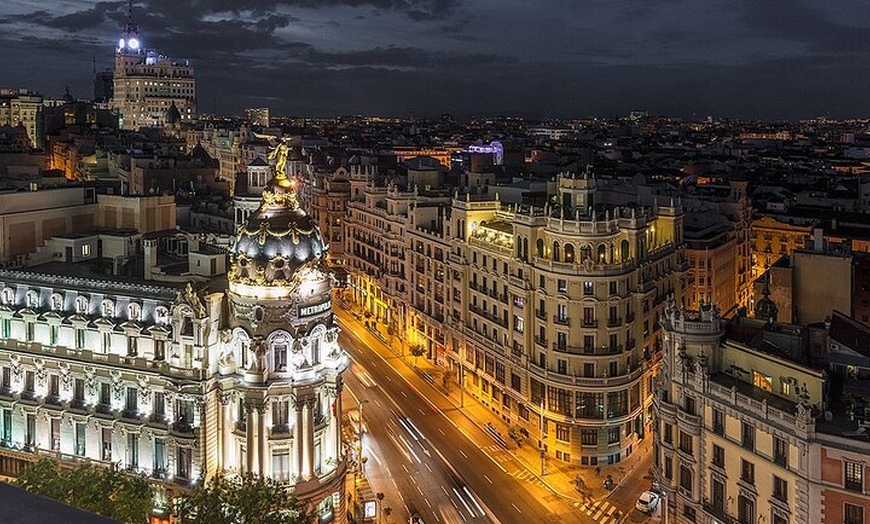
[{"x": 776, "y": 60}]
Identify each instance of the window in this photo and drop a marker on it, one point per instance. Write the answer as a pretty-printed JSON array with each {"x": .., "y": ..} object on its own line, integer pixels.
[
  {"x": 762, "y": 381},
  {"x": 686, "y": 478},
  {"x": 32, "y": 299},
  {"x": 690, "y": 406},
  {"x": 718, "y": 422},
  {"x": 718, "y": 456},
  {"x": 132, "y": 401},
  {"x": 81, "y": 438},
  {"x": 589, "y": 437},
  {"x": 161, "y": 315},
  {"x": 717, "y": 490},
  {"x": 614, "y": 287},
  {"x": 159, "y": 456},
  {"x": 107, "y": 308},
  {"x": 53, "y": 332},
  {"x": 685, "y": 442},
  {"x": 561, "y": 286},
  {"x": 588, "y": 288},
  {"x": 747, "y": 471},
  {"x": 613, "y": 434},
  {"x": 185, "y": 460},
  {"x": 8, "y": 296},
  {"x": 747, "y": 436},
  {"x": 854, "y": 476},
  {"x": 563, "y": 433},
  {"x": 669, "y": 433},
  {"x": 281, "y": 465},
  {"x": 745, "y": 510},
  {"x": 106, "y": 342},
  {"x": 280, "y": 416},
  {"x": 82, "y": 305},
  {"x": 134, "y": 311},
  {"x": 669, "y": 467},
  {"x": 133, "y": 451},
  {"x": 853, "y": 514},
  {"x": 29, "y": 331},
  {"x": 588, "y": 369},
  {"x": 86, "y": 250},
  {"x": 6, "y": 325},
  {"x": 107, "y": 444},
  {"x": 80, "y": 338},
  {"x": 689, "y": 513},
  {"x": 780, "y": 451},
  {"x": 780, "y": 489}
]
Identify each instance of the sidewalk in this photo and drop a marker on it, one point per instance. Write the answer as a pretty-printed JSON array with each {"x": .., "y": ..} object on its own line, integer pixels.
[{"x": 577, "y": 484}]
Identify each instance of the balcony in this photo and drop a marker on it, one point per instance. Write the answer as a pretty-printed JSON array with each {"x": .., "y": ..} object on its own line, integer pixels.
[
  {"x": 541, "y": 342},
  {"x": 614, "y": 322},
  {"x": 717, "y": 511},
  {"x": 561, "y": 320},
  {"x": 540, "y": 314},
  {"x": 589, "y": 323}
]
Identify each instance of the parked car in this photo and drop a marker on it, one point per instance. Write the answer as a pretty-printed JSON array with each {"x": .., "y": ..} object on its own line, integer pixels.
[
  {"x": 416, "y": 519},
  {"x": 648, "y": 502}
]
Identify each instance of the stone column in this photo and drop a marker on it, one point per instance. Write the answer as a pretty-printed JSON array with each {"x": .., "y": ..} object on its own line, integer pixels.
[
  {"x": 250, "y": 440},
  {"x": 336, "y": 421},
  {"x": 297, "y": 437},
  {"x": 263, "y": 444},
  {"x": 226, "y": 435},
  {"x": 307, "y": 439}
]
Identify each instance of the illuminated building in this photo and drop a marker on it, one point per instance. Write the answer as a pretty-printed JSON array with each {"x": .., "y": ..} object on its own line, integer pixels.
[
  {"x": 258, "y": 116},
  {"x": 535, "y": 311},
  {"x": 146, "y": 84},
  {"x": 23, "y": 107},
  {"x": 773, "y": 238},
  {"x": 747, "y": 430},
  {"x": 175, "y": 380}
]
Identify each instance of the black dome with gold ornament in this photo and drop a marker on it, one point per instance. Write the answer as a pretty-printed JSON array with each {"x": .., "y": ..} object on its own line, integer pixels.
[{"x": 277, "y": 240}]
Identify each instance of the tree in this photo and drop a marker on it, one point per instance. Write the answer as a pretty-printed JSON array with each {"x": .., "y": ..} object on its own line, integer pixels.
[
  {"x": 106, "y": 491},
  {"x": 416, "y": 350},
  {"x": 247, "y": 499},
  {"x": 515, "y": 433}
]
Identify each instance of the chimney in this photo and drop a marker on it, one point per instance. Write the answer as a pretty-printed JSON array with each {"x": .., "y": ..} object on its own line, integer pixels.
[{"x": 150, "y": 257}]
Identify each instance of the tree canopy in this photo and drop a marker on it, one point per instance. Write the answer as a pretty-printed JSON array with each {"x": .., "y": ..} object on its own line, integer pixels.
[
  {"x": 246, "y": 499},
  {"x": 104, "y": 491}
]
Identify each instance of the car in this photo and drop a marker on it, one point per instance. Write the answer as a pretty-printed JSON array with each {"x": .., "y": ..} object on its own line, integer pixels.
[
  {"x": 416, "y": 519},
  {"x": 648, "y": 502}
]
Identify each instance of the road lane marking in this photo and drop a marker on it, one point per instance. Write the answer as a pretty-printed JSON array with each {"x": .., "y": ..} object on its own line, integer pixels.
[
  {"x": 420, "y": 490},
  {"x": 463, "y": 454},
  {"x": 516, "y": 508},
  {"x": 445, "y": 491},
  {"x": 421, "y": 411},
  {"x": 406, "y": 443},
  {"x": 487, "y": 478},
  {"x": 408, "y": 429},
  {"x": 476, "y": 505},
  {"x": 427, "y": 467},
  {"x": 427, "y": 502},
  {"x": 464, "y": 503},
  {"x": 415, "y": 428},
  {"x": 406, "y": 469},
  {"x": 402, "y": 391},
  {"x": 442, "y": 432}
]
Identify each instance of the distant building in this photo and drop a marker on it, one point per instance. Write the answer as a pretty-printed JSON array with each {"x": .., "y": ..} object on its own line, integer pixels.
[
  {"x": 146, "y": 84},
  {"x": 258, "y": 116},
  {"x": 24, "y": 108}
]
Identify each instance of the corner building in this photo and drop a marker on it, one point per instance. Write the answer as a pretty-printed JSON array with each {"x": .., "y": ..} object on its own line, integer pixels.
[
  {"x": 177, "y": 383},
  {"x": 552, "y": 314}
]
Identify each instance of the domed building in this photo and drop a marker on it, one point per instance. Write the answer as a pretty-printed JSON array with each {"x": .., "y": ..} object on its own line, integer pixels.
[
  {"x": 282, "y": 364},
  {"x": 180, "y": 378}
]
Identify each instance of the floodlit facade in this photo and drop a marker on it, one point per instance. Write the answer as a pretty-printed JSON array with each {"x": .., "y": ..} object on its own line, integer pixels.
[
  {"x": 548, "y": 315},
  {"x": 150, "y": 89},
  {"x": 177, "y": 382}
]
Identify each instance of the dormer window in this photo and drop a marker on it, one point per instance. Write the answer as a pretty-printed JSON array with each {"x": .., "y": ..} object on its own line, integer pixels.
[
  {"x": 56, "y": 302},
  {"x": 161, "y": 315},
  {"x": 134, "y": 311},
  {"x": 82, "y": 305},
  {"x": 32, "y": 299},
  {"x": 107, "y": 308},
  {"x": 7, "y": 296}
]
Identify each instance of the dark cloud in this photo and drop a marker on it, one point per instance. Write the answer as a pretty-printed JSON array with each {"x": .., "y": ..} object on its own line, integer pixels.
[
  {"x": 405, "y": 57},
  {"x": 798, "y": 22}
]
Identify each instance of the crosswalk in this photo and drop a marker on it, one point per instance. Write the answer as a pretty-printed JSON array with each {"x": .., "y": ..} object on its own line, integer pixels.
[{"x": 601, "y": 511}]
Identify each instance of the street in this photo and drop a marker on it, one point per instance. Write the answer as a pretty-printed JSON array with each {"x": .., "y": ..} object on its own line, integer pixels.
[{"x": 419, "y": 449}]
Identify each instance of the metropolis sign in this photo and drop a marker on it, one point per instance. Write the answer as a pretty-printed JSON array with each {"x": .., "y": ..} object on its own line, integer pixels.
[{"x": 307, "y": 311}]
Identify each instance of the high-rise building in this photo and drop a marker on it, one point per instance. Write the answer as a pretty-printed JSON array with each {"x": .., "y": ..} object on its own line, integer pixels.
[
  {"x": 150, "y": 89},
  {"x": 178, "y": 382},
  {"x": 258, "y": 116}
]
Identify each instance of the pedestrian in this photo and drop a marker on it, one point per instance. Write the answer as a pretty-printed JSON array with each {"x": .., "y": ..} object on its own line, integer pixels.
[{"x": 598, "y": 471}]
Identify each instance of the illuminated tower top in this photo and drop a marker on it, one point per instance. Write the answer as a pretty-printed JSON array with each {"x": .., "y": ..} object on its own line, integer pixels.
[{"x": 129, "y": 43}]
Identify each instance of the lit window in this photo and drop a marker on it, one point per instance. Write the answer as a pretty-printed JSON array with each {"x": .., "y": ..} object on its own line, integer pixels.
[
  {"x": 762, "y": 381},
  {"x": 86, "y": 250},
  {"x": 56, "y": 302},
  {"x": 161, "y": 315},
  {"x": 8, "y": 296},
  {"x": 107, "y": 308},
  {"x": 134, "y": 311},
  {"x": 81, "y": 305}
]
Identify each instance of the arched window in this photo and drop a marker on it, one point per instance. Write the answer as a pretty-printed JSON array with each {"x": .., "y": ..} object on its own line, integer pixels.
[
  {"x": 540, "y": 246},
  {"x": 32, "y": 299},
  {"x": 519, "y": 246},
  {"x": 56, "y": 302},
  {"x": 625, "y": 250},
  {"x": 569, "y": 253},
  {"x": 556, "y": 251},
  {"x": 280, "y": 345},
  {"x": 134, "y": 311},
  {"x": 107, "y": 308},
  {"x": 82, "y": 305},
  {"x": 585, "y": 253},
  {"x": 161, "y": 315},
  {"x": 602, "y": 253},
  {"x": 8, "y": 296},
  {"x": 525, "y": 248}
]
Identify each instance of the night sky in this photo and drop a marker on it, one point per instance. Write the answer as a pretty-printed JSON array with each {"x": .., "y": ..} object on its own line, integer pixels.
[{"x": 767, "y": 59}]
